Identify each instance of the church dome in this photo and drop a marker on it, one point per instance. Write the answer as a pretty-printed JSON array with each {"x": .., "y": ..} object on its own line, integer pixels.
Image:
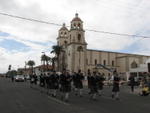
[
  {"x": 76, "y": 18},
  {"x": 63, "y": 27}
]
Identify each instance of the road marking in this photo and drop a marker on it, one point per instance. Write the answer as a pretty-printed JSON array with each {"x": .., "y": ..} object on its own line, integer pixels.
[{"x": 58, "y": 101}]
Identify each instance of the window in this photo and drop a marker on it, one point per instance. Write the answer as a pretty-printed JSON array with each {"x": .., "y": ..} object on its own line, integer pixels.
[
  {"x": 79, "y": 37},
  {"x": 79, "y": 25},
  {"x": 104, "y": 62},
  {"x": 79, "y": 48},
  {"x": 113, "y": 63},
  {"x": 134, "y": 64},
  {"x": 95, "y": 62},
  {"x": 65, "y": 42}
]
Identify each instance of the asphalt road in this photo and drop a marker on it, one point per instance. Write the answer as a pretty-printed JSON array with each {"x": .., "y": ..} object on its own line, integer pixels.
[{"x": 20, "y": 98}]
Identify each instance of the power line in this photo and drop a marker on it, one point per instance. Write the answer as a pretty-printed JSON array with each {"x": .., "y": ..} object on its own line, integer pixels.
[
  {"x": 45, "y": 22},
  {"x": 30, "y": 19}
]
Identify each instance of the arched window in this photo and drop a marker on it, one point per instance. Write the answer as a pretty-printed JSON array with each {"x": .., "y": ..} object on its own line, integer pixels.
[
  {"x": 79, "y": 25},
  {"x": 95, "y": 62},
  {"x": 65, "y": 42},
  {"x": 79, "y": 37},
  {"x": 134, "y": 64},
  {"x": 104, "y": 62},
  {"x": 113, "y": 63},
  {"x": 80, "y": 48}
]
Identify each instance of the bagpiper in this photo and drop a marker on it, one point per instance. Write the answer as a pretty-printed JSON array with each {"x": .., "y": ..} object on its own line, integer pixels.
[
  {"x": 54, "y": 78},
  {"x": 116, "y": 89},
  {"x": 65, "y": 85},
  {"x": 79, "y": 83}
]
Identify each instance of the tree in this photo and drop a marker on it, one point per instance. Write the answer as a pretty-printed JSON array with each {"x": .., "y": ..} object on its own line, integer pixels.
[
  {"x": 31, "y": 63},
  {"x": 53, "y": 62},
  {"x": 57, "y": 51},
  {"x": 45, "y": 59}
]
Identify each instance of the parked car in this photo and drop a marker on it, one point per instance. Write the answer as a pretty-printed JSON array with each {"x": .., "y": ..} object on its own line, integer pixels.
[{"x": 19, "y": 78}]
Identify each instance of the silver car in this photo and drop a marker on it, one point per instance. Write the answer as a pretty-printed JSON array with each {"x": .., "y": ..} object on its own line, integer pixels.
[{"x": 19, "y": 78}]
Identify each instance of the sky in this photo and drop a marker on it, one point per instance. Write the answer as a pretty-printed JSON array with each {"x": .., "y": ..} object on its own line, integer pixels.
[{"x": 22, "y": 40}]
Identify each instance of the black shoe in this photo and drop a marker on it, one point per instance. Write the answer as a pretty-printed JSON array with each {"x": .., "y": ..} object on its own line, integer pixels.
[
  {"x": 112, "y": 96},
  {"x": 62, "y": 98},
  {"x": 117, "y": 99},
  {"x": 66, "y": 100}
]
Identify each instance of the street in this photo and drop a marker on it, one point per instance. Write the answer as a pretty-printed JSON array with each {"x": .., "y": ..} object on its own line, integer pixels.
[{"x": 18, "y": 97}]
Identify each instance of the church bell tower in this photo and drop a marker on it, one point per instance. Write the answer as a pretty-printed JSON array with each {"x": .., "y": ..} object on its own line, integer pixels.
[{"x": 76, "y": 47}]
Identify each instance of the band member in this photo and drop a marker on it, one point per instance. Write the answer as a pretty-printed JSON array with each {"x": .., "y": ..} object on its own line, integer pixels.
[
  {"x": 132, "y": 82},
  {"x": 65, "y": 82},
  {"x": 31, "y": 80},
  {"x": 100, "y": 79},
  {"x": 42, "y": 82},
  {"x": 74, "y": 81},
  {"x": 94, "y": 86},
  {"x": 89, "y": 75},
  {"x": 54, "y": 78},
  {"x": 47, "y": 81},
  {"x": 115, "y": 90},
  {"x": 79, "y": 83}
]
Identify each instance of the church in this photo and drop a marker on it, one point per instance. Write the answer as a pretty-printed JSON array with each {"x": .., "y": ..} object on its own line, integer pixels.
[{"x": 76, "y": 55}]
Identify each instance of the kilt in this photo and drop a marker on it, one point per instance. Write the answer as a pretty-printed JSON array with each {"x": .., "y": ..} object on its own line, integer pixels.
[
  {"x": 100, "y": 86},
  {"x": 115, "y": 88},
  {"x": 94, "y": 89},
  {"x": 79, "y": 85},
  {"x": 65, "y": 88}
]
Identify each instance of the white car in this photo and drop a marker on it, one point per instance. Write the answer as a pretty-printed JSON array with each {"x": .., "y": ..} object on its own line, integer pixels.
[{"x": 19, "y": 78}]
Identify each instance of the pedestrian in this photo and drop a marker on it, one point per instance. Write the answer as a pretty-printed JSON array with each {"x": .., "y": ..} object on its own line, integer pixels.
[
  {"x": 116, "y": 89},
  {"x": 79, "y": 83},
  {"x": 31, "y": 80},
  {"x": 12, "y": 78},
  {"x": 65, "y": 85},
  {"x": 132, "y": 82}
]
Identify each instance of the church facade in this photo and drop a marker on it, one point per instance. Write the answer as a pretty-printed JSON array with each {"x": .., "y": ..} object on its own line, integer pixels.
[{"x": 76, "y": 55}]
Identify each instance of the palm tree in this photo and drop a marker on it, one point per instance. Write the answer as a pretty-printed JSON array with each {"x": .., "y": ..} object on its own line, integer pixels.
[
  {"x": 45, "y": 59},
  {"x": 79, "y": 49},
  {"x": 57, "y": 50},
  {"x": 31, "y": 63},
  {"x": 53, "y": 62}
]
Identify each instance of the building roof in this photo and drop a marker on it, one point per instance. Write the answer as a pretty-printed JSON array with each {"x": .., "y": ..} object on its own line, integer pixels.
[
  {"x": 76, "y": 18},
  {"x": 117, "y": 52}
]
